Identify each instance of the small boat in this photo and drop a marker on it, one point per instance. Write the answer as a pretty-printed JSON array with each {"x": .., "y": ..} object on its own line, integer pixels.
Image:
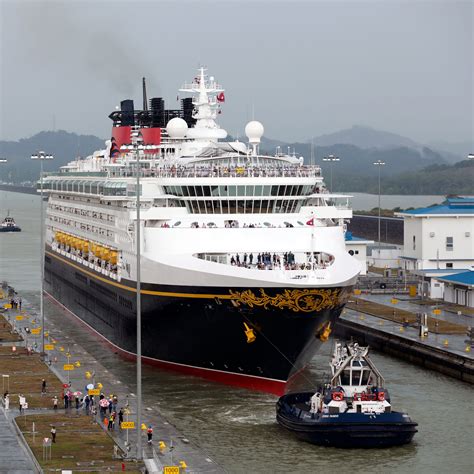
[
  {"x": 9, "y": 225},
  {"x": 353, "y": 410}
]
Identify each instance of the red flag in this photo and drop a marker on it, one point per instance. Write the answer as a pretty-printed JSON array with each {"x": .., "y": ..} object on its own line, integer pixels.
[
  {"x": 221, "y": 97},
  {"x": 310, "y": 222}
]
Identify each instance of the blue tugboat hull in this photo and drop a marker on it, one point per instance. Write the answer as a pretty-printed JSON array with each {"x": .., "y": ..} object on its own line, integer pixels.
[{"x": 347, "y": 430}]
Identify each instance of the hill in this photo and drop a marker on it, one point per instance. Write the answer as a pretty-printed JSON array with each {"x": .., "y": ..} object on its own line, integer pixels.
[
  {"x": 64, "y": 146},
  {"x": 408, "y": 170},
  {"x": 366, "y": 137}
]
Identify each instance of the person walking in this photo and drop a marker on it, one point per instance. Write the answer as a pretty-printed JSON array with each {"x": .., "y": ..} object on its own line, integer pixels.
[
  {"x": 43, "y": 386},
  {"x": 120, "y": 417},
  {"x": 149, "y": 433},
  {"x": 7, "y": 401},
  {"x": 111, "y": 422},
  {"x": 66, "y": 401},
  {"x": 87, "y": 401},
  {"x": 53, "y": 433},
  {"x": 55, "y": 402}
]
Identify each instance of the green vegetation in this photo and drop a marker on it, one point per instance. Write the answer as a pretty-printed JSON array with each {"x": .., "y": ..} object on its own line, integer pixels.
[
  {"x": 436, "y": 178},
  {"x": 81, "y": 444}
]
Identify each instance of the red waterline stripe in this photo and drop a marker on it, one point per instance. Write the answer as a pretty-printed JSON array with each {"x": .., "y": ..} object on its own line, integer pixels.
[{"x": 251, "y": 382}]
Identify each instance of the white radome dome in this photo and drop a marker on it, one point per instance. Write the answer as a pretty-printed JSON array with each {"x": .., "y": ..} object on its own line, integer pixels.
[
  {"x": 177, "y": 128},
  {"x": 254, "y": 131}
]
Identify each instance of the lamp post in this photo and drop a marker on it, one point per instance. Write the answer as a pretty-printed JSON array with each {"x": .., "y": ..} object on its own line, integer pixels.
[
  {"x": 379, "y": 164},
  {"x": 137, "y": 147},
  {"x": 331, "y": 159},
  {"x": 41, "y": 156},
  {"x": 3, "y": 161}
]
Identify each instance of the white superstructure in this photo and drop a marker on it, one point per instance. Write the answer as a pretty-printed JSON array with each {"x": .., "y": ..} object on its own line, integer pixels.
[{"x": 214, "y": 213}]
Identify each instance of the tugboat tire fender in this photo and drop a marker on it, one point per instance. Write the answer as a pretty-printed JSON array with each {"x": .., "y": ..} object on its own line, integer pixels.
[{"x": 338, "y": 396}]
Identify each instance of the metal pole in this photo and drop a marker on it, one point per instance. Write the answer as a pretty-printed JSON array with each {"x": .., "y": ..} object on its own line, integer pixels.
[
  {"x": 379, "y": 210},
  {"x": 331, "y": 174},
  {"x": 139, "y": 319},
  {"x": 42, "y": 261}
]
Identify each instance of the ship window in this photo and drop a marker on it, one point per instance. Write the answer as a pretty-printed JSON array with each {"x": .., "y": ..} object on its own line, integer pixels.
[
  {"x": 365, "y": 377},
  {"x": 249, "y": 191},
  {"x": 345, "y": 377},
  {"x": 223, "y": 191},
  {"x": 176, "y": 224},
  {"x": 355, "y": 377}
]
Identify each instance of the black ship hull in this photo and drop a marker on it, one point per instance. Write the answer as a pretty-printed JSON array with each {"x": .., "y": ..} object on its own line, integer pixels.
[{"x": 203, "y": 331}]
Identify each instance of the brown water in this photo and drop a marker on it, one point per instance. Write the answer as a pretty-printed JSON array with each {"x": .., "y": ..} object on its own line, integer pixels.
[{"x": 238, "y": 427}]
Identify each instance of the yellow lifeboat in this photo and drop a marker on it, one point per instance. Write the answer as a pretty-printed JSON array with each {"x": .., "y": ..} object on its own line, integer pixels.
[{"x": 113, "y": 258}]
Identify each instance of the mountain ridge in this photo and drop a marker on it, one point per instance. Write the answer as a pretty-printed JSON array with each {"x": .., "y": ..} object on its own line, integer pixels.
[{"x": 355, "y": 160}]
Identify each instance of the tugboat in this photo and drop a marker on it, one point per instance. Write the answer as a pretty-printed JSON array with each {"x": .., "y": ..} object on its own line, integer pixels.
[
  {"x": 353, "y": 410},
  {"x": 9, "y": 225}
]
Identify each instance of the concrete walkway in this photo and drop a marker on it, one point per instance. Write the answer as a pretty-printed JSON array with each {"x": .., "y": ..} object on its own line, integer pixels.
[
  {"x": 13, "y": 457},
  {"x": 74, "y": 338},
  {"x": 404, "y": 302},
  {"x": 456, "y": 342}
]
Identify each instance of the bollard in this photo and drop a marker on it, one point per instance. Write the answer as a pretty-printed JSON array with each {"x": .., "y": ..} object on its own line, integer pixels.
[
  {"x": 402, "y": 329},
  {"x": 445, "y": 343},
  {"x": 468, "y": 348}
]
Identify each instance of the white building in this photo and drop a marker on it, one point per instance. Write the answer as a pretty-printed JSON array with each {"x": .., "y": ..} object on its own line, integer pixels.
[
  {"x": 459, "y": 288},
  {"x": 440, "y": 237},
  {"x": 357, "y": 247}
]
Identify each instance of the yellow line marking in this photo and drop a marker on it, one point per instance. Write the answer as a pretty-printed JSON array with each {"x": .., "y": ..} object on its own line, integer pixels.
[{"x": 134, "y": 290}]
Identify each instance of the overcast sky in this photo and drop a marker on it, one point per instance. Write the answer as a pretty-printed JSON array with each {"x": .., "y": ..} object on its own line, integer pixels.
[{"x": 305, "y": 68}]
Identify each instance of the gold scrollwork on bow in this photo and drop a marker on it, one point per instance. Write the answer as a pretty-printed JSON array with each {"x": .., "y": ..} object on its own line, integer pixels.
[{"x": 306, "y": 300}]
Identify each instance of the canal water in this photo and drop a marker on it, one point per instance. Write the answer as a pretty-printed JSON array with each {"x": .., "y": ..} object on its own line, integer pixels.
[{"x": 237, "y": 427}]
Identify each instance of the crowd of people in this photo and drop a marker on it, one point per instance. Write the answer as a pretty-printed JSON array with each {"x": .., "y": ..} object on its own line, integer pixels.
[
  {"x": 227, "y": 171},
  {"x": 275, "y": 261}
]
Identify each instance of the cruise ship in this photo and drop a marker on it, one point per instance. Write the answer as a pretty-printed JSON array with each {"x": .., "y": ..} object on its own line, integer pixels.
[{"x": 243, "y": 266}]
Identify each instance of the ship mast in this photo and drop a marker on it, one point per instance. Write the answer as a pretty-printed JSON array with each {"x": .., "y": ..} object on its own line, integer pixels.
[{"x": 206, "y": 105}]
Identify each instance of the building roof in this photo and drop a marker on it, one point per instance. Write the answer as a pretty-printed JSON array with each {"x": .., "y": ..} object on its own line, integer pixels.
[
  {"x": 452, "y": 206},
  {"x": 349, "y": 238},
  {"x": 463, "y": 278}
]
